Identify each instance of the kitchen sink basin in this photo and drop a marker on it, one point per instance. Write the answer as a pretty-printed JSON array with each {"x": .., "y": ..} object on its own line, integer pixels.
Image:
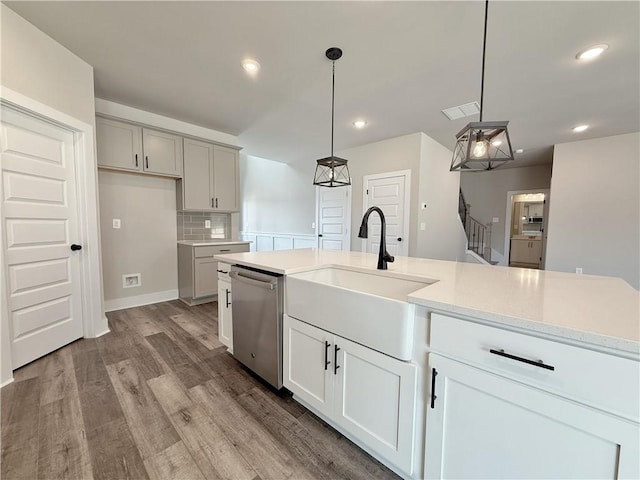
[{"x": 366, "y": 308}]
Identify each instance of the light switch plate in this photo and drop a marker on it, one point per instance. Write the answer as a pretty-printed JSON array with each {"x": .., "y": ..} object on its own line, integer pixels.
[
  {"x": 207, "y": 224},
  {"x": 116, "y": 223},
  {"x": 495, "y": 220}
]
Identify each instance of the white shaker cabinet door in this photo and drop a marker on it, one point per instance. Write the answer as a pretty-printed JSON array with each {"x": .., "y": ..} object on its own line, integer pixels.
[
  {"x": 482, "y": 425},
  {"x": 375, "y": 399},
  {"x": 225, "y": 324},
  {"x": 308, "y": 364},
  {"x": 205, "y": 280}
]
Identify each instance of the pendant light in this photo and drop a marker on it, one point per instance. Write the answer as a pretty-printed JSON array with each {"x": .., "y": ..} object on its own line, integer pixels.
[
  {"x": 482, "y": 145},
  {"x": 332, "y": 171}
]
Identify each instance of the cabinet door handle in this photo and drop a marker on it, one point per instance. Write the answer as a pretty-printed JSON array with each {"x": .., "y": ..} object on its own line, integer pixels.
[
  {"x": 326, "y": 354},
  {"x": 211, "y": 202},
  {"x": 434, "y": 372},
  {"x": 538, "y": 363},
  {"x": 228, "y": 292},
  {"x": 146, "y": 160},
  {"x": 216, "y": 202},
  {"x": 335, "y": 359},
  {"x": 136, "y": 160}
]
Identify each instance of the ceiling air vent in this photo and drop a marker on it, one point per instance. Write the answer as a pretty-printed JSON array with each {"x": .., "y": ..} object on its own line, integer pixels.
[{"x": 462, "y": 111}]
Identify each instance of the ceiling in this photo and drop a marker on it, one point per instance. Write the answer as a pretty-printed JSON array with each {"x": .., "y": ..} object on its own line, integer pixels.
[{"x": 403, "y": 63}]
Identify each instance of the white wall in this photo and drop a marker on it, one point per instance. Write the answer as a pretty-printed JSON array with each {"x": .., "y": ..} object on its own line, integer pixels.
[
  {"x": 594, "y": 217},
  {"x": 443, "y": 237},
  {"x": 146, "y": 241},
  {"x": 400, "y": 153},
  {"x": 486, "y": 192},
  {"x": 34, "y": 65},
  {"x": 277, "y": 197},
  {"x": 37, "y": 66}
]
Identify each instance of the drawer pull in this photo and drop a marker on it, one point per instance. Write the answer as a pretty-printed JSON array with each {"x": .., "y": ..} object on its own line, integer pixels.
[
  {"x": 538, "y": 363},
  {"x": 221, "y": 271},
  {"x": 434, "y": 372},
  {"x": 225, "y": 250}
]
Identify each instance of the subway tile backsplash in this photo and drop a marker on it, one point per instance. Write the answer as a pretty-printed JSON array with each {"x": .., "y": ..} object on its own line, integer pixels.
[{"x": 191, "y": 226}]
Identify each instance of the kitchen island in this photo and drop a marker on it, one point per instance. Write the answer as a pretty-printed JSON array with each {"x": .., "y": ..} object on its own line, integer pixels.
[{"x": 513, "y": 364}]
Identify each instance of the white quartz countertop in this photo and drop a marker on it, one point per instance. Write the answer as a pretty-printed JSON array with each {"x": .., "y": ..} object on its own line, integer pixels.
[
  {"x": 593, "y": 310},
  {"x": 205, "y": 243}
]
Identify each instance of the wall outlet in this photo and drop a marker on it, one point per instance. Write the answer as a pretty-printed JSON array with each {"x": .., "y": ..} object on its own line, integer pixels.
[
  {"x": 313, "y": 225},
  {"x": 423, "y": 226},
  {"x": 579, "y": 270},
  {"x": 131, "y": 280},
  {"x": 116, "y": 223},
  {"x": 207, "y": 224},
  {"x": 495, "y": 220}
]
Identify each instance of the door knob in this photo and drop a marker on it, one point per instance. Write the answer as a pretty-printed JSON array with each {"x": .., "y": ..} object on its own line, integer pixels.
[
  {"x": 319, "y": 234},
  {"x": 75, "y": 247},
  {"x": 399, "y": 239}
]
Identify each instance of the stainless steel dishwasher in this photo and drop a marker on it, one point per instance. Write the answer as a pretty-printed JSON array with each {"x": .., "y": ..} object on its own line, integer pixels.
[{"x": 257, "y": 321}]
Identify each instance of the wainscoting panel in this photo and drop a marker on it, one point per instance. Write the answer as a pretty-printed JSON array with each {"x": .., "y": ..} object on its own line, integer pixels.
[{"x": 265, "y": 242}]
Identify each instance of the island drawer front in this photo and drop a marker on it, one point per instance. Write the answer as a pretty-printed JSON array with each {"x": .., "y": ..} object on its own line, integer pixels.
[
  {"x": 223, "y": 271},
  {"x": 211, "y": 250},
  {"x": 604, "y": 381}
]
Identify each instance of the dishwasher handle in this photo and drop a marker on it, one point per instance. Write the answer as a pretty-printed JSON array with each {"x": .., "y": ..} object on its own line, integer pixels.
[{"x": 236, "y": 275}]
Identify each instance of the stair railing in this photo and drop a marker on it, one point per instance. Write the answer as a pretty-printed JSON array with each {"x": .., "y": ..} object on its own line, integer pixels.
[{"x": 478, "y": 234}]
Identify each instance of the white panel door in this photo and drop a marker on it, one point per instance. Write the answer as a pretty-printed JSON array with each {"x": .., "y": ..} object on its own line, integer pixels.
[
  {"x": 40, "y": 219},
  {"x": 225, "y": 314},
  {"x": 481, "y": 425},
  {"x": 387, "y": 193},
  {"x": 334, "y": 217}
]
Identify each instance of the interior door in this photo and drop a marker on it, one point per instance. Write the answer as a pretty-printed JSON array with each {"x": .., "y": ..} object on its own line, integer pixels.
[
  {"x": 334, "y": 217},
  {"x": 388, "y": 193},
  {"x": 40, "y": 219}
]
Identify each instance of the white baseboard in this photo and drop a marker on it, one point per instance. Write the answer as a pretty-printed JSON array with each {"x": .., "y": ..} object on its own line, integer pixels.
[
  {"x": 6, "y": 382},
  {"x": 137, "y": 301}
]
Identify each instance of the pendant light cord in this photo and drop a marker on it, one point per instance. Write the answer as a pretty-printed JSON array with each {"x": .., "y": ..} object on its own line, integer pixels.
[
  {"x": 333, "y": 96},
  {"x": 484, "y": 49}
]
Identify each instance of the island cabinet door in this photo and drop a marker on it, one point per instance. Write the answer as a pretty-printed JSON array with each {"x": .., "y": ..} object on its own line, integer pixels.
[
  {"x": 308, "y": 364},
  {"x": 375, "y": 399},
  {"x": 481, "y": 425},
  {"x": 225, "y": 324}
]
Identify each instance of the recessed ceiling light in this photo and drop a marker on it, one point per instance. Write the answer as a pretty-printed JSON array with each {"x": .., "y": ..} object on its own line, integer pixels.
[
  {"x": 592, "y": 52},
  {"x": 580, "y": 128},
  {"x": 520, "y": 150},
  {"x": 360, "y": 124},
  {"x": 251, "y": 66}
]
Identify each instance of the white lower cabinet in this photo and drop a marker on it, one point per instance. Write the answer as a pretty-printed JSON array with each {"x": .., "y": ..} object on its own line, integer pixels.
[
  {"x": 368, "y": 394},
  {"x": 500, "y": 422},
  {"x": 225, "y": 323}
]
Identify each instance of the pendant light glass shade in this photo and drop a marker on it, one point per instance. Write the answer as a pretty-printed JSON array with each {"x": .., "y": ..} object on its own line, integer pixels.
[
  {"x": 332, "y": 171},
  {"x": 482, "y": 145}
]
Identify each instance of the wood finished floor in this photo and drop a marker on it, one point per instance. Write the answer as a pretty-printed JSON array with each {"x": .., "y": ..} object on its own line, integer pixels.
[{"x": 159, "y": 397}]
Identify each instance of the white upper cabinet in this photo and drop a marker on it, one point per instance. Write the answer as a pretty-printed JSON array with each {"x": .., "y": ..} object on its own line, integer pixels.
[
  {"x": 211, "y": 178},
  {"x": 125, "y": 146},
  {"x": 162, "y": 152},
  {"x": 119, "y": 145}
]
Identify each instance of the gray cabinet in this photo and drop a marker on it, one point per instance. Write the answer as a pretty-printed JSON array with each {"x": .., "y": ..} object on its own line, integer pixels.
[
  {"x": 525, "y": 252},
  {"x": 119, "y": 145},
  {"x": 129, "y": 147},
  {"x": 211, "y": 178},
  {"x": 198, "y": 271}
]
